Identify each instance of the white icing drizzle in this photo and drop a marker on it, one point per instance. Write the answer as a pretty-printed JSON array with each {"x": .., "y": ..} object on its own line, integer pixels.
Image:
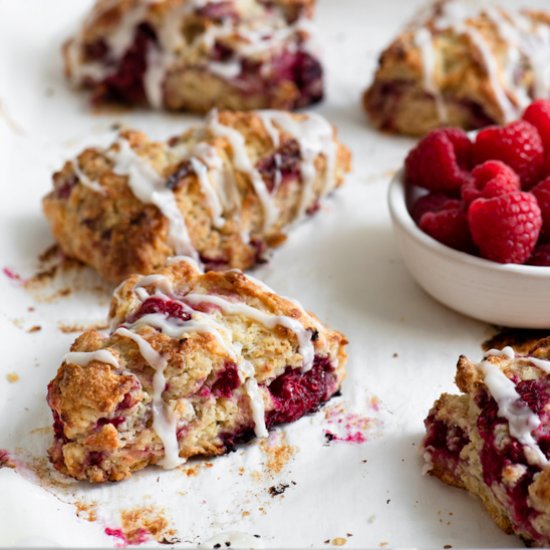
[
  {"x": 83, "y": 358},
  {"x": 315, "y": 137},
  {"x": 424, "y": 40},
  {"x": 164, "y": 420},
  {"x": 508, "y": 109},
  {"x": 85, "y": 180},
  {"x": 528, "y": 44},
  {"x": 521, "y": 420},
  {"x": 149, "y": 187},
  {"x": 268, "y": 320},
  {"x": 244, "y": 164},
  {"x": 204, "y": 323}
]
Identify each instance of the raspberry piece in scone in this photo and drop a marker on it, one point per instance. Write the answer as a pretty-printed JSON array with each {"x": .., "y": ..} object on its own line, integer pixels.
[
  {"x": 440, "y": 162},
  {"x": 538, "y": 114},
  {"x": 448, "y": 226},
  {"x": 490, "y": 179},
  {"x": 194, "y": 364},
  {"x": 518, "y": 144},
  {"x": 505, "y": 228},
  {"x": 542, "y": 194}
]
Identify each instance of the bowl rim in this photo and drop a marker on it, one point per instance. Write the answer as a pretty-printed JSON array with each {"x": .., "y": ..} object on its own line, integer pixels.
[{"x": 400, "y": 215}]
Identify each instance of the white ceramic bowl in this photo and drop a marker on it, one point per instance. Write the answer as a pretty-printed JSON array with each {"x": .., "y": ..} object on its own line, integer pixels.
[{"x": 503, "y": 294}]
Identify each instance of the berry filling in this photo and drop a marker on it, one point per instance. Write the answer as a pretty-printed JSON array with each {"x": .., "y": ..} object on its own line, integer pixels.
[
  {"x": 497, "y": 454},
  {"x": 282, "y": 166},
  {"x": 218, "y": 11},
  {"x": 295, "y": 393},
  {"x": 444, "y": 443},
  {"x": 227, "y": 381},
  {"x": 154, "y": 304},
  {"x": 126, "y": 83}
]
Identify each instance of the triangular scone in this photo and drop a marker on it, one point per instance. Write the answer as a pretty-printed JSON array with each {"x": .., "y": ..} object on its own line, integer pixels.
[
  {"x": 194, "y": 364},
  {"x": 221, "y": 193},
  {"x": 198, "y": 54},
  {"x": 494, "y": 440},
  {"x": 460, "y": 63}
]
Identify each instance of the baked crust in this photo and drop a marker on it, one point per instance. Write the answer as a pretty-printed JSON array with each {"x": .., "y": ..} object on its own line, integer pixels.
[
  {"x": 234, "y": 200},
  {"x": 210, "y": 336},
  {"x": 493, "y": 439},
  {"x": 196, "y": 55},
  {"x": 459, "y": 65}
]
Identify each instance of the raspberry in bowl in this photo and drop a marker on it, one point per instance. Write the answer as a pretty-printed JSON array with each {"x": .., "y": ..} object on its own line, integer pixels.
[{"x": 471, "y": 214}]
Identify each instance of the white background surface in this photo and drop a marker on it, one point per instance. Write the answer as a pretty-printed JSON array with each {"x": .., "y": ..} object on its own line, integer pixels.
[{"x": 343, "y": 265}]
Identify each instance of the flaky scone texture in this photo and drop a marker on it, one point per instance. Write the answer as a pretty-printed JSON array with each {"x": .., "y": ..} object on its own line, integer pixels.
[
  {"x": 460, "y": 64},
  {"x": 223, "y": 193},
  {"x": 494, "y": 439},
  {"x": 195, "y": 55},
  {"x": 194, "y": 364}
]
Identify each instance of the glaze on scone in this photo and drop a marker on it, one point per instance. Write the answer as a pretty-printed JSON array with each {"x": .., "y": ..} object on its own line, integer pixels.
[
  {"x": 222, "y": 193},
  {"x": 194, "y": 364},
  {"x": 194, "y": 55},
  {"x": 494, "y": 439},
  {"x": 464, "y": 64}
]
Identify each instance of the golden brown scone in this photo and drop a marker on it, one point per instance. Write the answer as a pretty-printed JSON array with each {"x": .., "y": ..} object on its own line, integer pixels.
[
  {"x": 194, "y": 364},
  {"x": 460, "y": 64},
  {"x": 194, "y": 55},
  {"x": 221, "y": 193},
  {"x": 494, "y": 439}
]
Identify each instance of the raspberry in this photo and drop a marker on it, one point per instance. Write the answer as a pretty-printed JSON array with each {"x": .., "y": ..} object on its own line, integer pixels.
[
  {"x": 538, "y": 114},
  {"x": 449, "y": 227},
  {"x": 541, "y": 255},
  {"x": 505, "y": 228},
  {"x": 542, "y": 194},
  {"x": 440, "y": 161},
  {"x": 432, "y": 202},
  {"x": 517, "y": 144},
  {"x": 490, "y": 179}
]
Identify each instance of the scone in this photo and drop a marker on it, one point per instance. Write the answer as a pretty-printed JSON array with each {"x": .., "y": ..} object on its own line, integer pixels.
[
  {"x": 494, "y": 439},
  {"x": 461, "y": 64},
  {"x": 221, "y": 193},
  {"x": 194, "y": 55},
  {"x": 194, "y": 364}
]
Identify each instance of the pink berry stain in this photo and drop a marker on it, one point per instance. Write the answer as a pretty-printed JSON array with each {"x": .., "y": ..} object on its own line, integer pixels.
[
  {"x": 346, "y": 427},
  {"x": 138, "y": 537},
  {"x": 12, "y": 275}
]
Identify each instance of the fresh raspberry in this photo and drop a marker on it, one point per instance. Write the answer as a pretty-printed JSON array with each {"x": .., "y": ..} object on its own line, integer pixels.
[
  {"x": 490, "y": 179},
  {"x": 517, "y": 144},
  {"x": 538, "y": 114},
  {"x": 440, "y": 161},
  {"x": 505, "y": 228},
  {"x": 542, "y": 194},
  {"x": 449, "y": 227},
  {"x": 541, "y": 255},
  {"x": 432, "y": 202}
]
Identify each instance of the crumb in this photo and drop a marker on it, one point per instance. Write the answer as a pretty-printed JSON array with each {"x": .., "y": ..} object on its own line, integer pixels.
[
  {"x": 86, "y": 510},
  {"x": 241, "y": 471},
  {"x": 277, "y": 451},
  {"x": 447, "y": 546},
  {"x": 279, "y": 489},
  {"x": 35, "y": 328},
  {"x": 388, "y": 501},
  {"x": 349, "y": 534},
  {"x": 12, "y": 377},
  {"x": 364, "y": 461},
  {"x": 338, "y": 541},
  {"x": 245, "y": 514},
  {"x": 70, "y": 328},
  {"x": 30, "y": 309},
  {"x": 5, "y": 460},
  {"x": 326, "y": 541},
  {"x": 395, "y": 354},
  {"x": 383, "y": 544}
]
